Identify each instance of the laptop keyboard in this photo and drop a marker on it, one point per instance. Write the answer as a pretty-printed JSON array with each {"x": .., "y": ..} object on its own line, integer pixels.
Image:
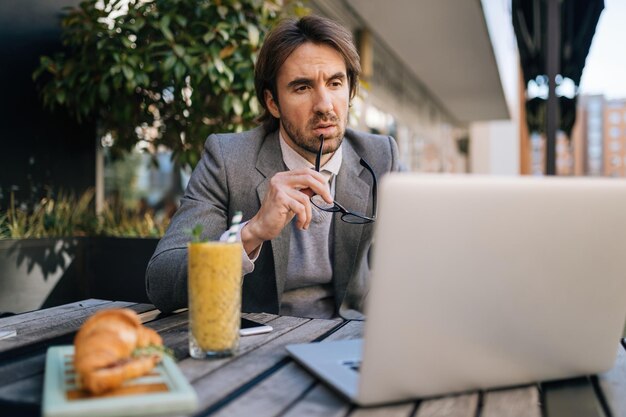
[{"x": 355, "y": 365}]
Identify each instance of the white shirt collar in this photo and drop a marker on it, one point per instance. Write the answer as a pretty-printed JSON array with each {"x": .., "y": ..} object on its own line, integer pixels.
[{"x": 294, "y": 160}]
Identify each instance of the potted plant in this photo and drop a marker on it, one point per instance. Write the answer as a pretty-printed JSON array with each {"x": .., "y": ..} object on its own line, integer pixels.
[
  {"x": 61, "y": 251},
  {"x": 162, "y": 72}
]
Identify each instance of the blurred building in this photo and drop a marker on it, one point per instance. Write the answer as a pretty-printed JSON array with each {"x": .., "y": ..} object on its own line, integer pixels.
[
  {"x": 441, "y": 77},
  {"x": 600, "y": 137},
  {"x": 614, "y": 138}
]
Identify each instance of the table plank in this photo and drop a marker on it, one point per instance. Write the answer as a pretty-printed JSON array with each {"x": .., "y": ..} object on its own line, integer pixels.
[
  {"x": 46, "y": 328},
  {"x": 225, "y": 383},
  {"x": 289, "y": 383},
  {"x": 350, "y": 330},
  {"x": 455, "y": 406},
  {"x": 396, "y": 410},
  {"x": 320, "y": 401},
  {"x": 613, "y": 384},
  {"x": 571, "y": 398},
  {"x": 49, "y": 312},
  {"x": 194, "y": 369},
  {"x": 516, "y": 402},
  {"x": 260, "y": 317},
  {"x": 272, "y": 395},
  {"x": 27, "y": 391},
  {"x": 27, "y": 366}
]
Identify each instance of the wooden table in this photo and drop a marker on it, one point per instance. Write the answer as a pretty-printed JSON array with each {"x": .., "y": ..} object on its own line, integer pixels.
[{"x": 261, "y": 380}]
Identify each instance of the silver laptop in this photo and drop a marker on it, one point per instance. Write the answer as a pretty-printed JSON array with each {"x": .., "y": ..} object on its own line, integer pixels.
[{"x": 483, "y": 282}]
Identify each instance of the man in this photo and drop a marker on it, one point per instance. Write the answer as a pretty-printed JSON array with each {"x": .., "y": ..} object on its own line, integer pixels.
[{"x": 298, "y": 260}]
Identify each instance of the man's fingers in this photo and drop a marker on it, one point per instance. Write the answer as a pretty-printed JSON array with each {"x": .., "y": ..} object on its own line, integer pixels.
[
  {"x": 289, "y": 195},
  {"x": 304, "y": 220},
  {"x": 299, "y": 210},
  {"x": 301, "y": 180}
]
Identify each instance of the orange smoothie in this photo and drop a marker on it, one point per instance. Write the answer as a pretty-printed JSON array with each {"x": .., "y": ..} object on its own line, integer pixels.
[{"x": 214, "y": 284}]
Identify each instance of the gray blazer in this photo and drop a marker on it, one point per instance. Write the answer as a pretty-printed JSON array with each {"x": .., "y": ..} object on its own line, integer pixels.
[{"x": 233, "y": 174}]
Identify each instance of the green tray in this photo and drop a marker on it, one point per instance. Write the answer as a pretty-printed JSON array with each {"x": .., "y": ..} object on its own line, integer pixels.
[{"x": 171, "y": 393}]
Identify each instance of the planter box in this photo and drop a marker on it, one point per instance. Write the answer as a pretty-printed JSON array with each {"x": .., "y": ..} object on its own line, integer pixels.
[{"x": 41, "y": 273}]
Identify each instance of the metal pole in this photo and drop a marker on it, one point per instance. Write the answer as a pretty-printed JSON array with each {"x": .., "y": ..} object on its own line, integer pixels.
[
  {"x": 99, "y": 173},
  {"x": 553, "y": 64}
]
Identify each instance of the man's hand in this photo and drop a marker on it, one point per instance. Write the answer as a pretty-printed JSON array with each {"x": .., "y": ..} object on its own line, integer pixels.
[{"x": 288, "y": 196}]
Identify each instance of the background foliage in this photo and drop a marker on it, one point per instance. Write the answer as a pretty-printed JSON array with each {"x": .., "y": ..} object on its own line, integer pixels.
[
  {"x": 165, "y": 72},
  {"x": 69, "y": 215}
]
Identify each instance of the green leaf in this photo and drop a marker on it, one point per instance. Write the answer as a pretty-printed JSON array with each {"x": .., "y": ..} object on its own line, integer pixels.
[
  {"x": 208, "y": 37},
  {"x": 117, "y": 82},
  {"x": 164, "y": 26},
  {"x": 179, "y": 70},
  {"x": 237, "y": 106},
  {"x": 224, "y": 34},
  {"x": 190, "y": 61},
  {"x": 249, "y": 84},
  {"x": 139, "y": 23},
  {"x": 204, "y": 67},
  {"x": 219, "y": 65},
  {"x": 168, "y": 64},
  {"x": 61, "y": 96},
  {"x": 143, "y": 79},
  {"x": 104, "y": 92},
  {"x": 222, "y": 11},
  {"x": 195, "y": 233},
  {"x": 227, "y": 104},
  {"x": 223, "y": 82},
  {"x": 254, "y": 105},
  {"x": 179, "y": 50},
  {"x": 128, "y": 72},
  {"x": 131, "y": 84},
  {"x": 181, "y": 20},
  {"x": 253, "y": 35},
  {"x": 229, "y": 74}
]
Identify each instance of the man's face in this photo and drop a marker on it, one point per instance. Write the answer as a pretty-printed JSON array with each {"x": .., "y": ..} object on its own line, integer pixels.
[{"x": 314, "y": 94}]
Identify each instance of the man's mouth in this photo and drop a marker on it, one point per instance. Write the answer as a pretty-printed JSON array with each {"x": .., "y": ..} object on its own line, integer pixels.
[{"x": 324, "y": 127}]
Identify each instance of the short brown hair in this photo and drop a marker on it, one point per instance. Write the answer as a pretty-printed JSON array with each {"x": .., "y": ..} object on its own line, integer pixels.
[{"x": 284, "y": 39}]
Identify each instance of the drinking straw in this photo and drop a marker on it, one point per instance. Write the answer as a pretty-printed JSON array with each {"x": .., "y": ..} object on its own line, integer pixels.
[{"x": 234, "y": 227}]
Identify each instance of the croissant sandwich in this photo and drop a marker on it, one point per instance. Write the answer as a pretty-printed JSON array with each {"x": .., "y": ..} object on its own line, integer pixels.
[{"x": 113, "y": 346}]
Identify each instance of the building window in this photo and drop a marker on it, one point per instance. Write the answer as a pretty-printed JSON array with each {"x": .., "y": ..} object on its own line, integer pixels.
[
  {"x": 615, "y": 132},
  {"x": 595, "y": 151},
  {"x": 614, "y": 117},
  {"x": 595, "y": 123},
  {"x": 616, "y": 161}
]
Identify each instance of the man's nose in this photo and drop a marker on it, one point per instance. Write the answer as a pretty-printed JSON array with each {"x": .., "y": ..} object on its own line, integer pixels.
[{"x": 323, "y": 101}]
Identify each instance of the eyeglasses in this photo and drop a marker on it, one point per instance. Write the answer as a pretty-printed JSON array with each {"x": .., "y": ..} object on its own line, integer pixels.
[{"x": 334, "y": 207}]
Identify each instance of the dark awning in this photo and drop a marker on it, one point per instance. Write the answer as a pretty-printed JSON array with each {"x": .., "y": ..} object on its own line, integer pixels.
[{"x": 578, "y": 25}]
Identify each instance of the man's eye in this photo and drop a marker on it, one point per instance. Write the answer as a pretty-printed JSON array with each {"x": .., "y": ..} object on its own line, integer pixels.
[
  {"x": 302, "y": 87},
  {"x": 336, "y": 83}
]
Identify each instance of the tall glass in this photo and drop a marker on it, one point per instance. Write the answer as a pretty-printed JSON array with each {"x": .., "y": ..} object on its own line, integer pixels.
[{"x": 214, "y": 285}]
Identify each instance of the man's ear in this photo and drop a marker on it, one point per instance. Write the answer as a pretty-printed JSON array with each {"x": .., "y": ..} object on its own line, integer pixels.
[{"x": 271, "y": 104}]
